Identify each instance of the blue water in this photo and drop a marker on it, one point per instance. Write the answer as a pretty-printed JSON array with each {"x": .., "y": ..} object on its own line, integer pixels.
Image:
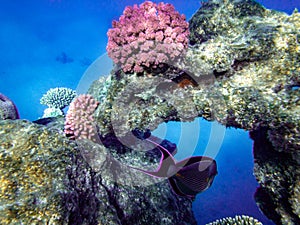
[{"x": 35, "y": 33}]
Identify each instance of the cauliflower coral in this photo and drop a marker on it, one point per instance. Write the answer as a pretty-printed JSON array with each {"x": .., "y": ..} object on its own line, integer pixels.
[
  {"x": 146, "y": 36},
  {"x": 80, "y": 122}
]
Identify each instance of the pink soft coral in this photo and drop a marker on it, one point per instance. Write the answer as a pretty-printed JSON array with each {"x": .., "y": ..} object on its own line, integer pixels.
[
  {"x": 146, "y": 36},
  {"x": 80, "y": 122}
]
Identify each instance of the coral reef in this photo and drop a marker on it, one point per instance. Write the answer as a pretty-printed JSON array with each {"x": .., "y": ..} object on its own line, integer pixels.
[
  {"x": 262, "y": 76},
  {"x": 48, "y": 179},
  {"x": 242, "y": 70},
  {"x": 146, "y": 36},
  {"x": 8, "y": 109},
  {"x": 237, "y": 220}
]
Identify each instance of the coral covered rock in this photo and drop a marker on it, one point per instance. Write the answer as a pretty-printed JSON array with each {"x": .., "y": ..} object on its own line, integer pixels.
[
  {"x": 48, "y": 179},
  {"x": 279, "y": 177},
  {"x": 242, "y": 70},
  {"x": 236, "y": 83},
  {"x": 33, "y": 163}
]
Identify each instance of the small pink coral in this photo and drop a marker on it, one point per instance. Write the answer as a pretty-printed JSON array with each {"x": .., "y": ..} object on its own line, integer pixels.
[
  {"x": 80, "y": 123},
  {"x": 150, "y": 28}
]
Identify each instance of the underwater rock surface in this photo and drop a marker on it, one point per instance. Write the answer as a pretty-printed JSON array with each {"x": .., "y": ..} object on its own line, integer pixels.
[
  {"x": 8, "y": 109},
  {"x": 242, "y": 70},
  {"x": 33, "y": 161},
  {"x": 46, "y": 178},
  {"x": 278, "y": 174}
]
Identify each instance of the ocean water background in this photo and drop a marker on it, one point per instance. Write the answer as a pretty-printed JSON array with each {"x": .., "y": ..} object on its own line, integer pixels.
[{"x": 51, "y": 43}]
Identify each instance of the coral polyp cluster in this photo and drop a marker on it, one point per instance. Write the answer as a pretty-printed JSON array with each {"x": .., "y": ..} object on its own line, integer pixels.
[
  {"x": 147, "y": 36},
  {"x": 58, "y": 98},
  {"x": 79, "y": 119},
  {"x": 237, "y": 220}
]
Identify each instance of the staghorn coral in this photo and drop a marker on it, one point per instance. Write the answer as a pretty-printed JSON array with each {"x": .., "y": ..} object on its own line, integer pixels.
[
  {"x": 237, "y": 220},
  {"x": 58, "y": 98},
  {"x": 52, "y": 112},
  {"x": 147, "y": 36},
  {"x": 79, "y": 122}
]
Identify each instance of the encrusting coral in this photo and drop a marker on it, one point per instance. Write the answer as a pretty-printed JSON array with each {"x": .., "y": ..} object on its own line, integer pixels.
[{"x": 33, "y": 162}]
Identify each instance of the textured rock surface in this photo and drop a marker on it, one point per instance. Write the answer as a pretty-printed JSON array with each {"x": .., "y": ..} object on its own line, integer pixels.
[
  {"x": 33, "y": 161},
  {"x": 8, "y": 110},
  {"x": 279, "y": 176},
  {"x": 242, "y": 70},
  {"x": 47, "y": 179}
]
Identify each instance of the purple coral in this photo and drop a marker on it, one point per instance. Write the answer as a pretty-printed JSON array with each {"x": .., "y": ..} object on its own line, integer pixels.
[
  {"x": 146, "y": 36},
  {"x": 80, "y": 122},
  {"x": 8, "y": 109}
]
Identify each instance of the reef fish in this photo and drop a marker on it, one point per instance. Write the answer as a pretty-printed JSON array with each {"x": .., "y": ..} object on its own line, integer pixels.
[{"x": 187, "y": 177}]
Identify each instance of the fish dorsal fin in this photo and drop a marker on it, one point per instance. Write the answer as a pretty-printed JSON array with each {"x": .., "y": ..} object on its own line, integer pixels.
[
  {"x": 163, "y": 150},
  {"x": 167, "y": 164}
]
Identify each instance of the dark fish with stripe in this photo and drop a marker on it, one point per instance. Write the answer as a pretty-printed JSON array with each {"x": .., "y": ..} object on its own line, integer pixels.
[{"x": 187, "y": 177}]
